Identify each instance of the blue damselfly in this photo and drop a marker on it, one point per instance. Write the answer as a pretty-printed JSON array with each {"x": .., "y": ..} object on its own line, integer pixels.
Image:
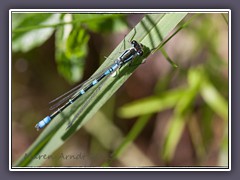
[{"x": 68, "y": 98}]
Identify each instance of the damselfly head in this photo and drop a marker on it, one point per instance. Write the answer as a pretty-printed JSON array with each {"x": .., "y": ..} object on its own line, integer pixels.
[{"x": 138, "y": 47}]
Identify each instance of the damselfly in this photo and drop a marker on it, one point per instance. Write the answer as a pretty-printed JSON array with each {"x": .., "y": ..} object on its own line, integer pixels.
[{"x": 68, "y": 98}]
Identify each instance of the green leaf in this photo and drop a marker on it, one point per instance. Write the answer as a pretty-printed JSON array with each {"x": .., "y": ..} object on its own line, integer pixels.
[
  {"x": 102, "y": 23},
  {"x": 30, "y": 38},
  {"x": 181, "y": 112},
  {"x": 131, "y": 136},
  {"x": 72, "y": 40},
  {"x": 71, "y": 50},
  {"x": 151, "y": 104},
  {"x": 214, "y": 99},
  {"x": 150, "y": 32}
]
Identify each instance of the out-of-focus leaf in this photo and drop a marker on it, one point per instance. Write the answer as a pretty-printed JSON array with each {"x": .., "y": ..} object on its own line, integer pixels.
[
  {"x": 31, "y": 37},
  {"x": 132, "y": 135},
  {"x": 109, "y": 25},
  {"x": 212, "y": 85},
  {"x": 214, "y": 99},
  {"x": 72, "y": 49},
  {"x": 102, "y": 23},
  {"x": 17, "y": 18},
  {"x": 182, "y": 109},
  {"x": 223, "y": 156},
  {"x": 206, "y": 124},
  {"x": 196, "y": 137},
  {"x": 225, "y": 18},
  {"x": 151, "y": 104}
]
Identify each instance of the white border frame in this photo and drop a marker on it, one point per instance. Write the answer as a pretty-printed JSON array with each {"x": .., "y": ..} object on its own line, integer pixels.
[{"x": 217, "y": 168}]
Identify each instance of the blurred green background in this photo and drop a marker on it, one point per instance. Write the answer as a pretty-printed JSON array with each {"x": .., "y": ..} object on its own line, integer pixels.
[{"x": 173, "y": 111}]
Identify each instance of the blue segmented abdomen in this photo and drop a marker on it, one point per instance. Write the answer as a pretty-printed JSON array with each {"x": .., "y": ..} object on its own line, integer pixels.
[
  {"x": 94, "y": 82},
  {"x": 82, "y": 91},
  {"x": 43, "y": 123},
  {"x": 114, "y": 66},
  {"x": 107, "y": 72}
]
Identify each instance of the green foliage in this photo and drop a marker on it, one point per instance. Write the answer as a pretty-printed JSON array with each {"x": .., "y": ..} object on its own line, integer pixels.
[
  {"x": 72, "y": 35},
  {"x": 26, "y": 33},
  {"x": 102, "y": 23},
  {"x": 71, "y": 51},
  {"x": 204, "y": 82}
]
